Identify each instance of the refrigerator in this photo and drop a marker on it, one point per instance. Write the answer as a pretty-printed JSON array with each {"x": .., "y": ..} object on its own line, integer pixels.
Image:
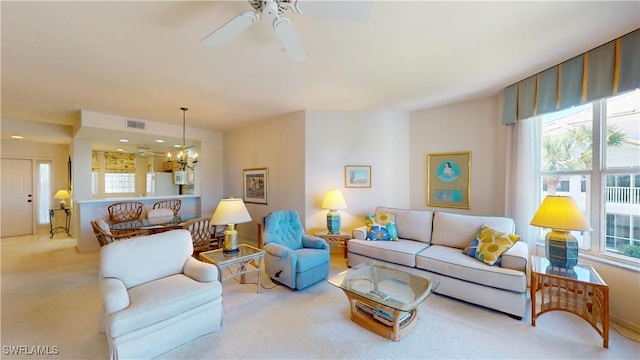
[{"x": 160, "y": 184}]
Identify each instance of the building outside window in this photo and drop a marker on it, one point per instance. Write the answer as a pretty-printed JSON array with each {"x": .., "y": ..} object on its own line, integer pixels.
[{"x": 591, "y": 152}]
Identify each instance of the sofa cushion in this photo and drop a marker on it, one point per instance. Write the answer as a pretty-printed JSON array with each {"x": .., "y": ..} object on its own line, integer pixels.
[
  {"x": 457, "y": 230},
  {"x": 381, "y": 227},
  {"x": 401, "y": 252},
  {"x": 161, "y": 299},
  {"x": 411, "y": 224},
  {"x": 452, "y": 262},
  {"x": 490, "y": 244}
]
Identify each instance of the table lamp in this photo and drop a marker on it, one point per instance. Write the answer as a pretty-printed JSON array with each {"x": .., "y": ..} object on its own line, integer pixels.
[
  {"x": 62, "y": 195},
  {"x": 333, "y": 201},
  {"x": 561, "y": 215},
  {"x": 230, "y": 212}
]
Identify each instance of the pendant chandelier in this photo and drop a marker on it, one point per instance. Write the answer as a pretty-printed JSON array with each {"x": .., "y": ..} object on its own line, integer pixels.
[{"x": 185, "y": 160}]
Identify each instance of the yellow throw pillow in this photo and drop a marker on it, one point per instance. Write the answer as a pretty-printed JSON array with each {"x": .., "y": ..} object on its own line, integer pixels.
[{"x": 489, "y": 245}]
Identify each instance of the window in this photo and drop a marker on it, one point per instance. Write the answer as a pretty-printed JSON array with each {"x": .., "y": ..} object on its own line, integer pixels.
[
  {"x": 592, "y": 153},
  {"x": 119, "y": 183},
  {"x": 44, "y": 191}
]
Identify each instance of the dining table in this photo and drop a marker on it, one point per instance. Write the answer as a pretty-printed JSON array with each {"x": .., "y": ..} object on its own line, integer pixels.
[{"x": 153, "y": 227}]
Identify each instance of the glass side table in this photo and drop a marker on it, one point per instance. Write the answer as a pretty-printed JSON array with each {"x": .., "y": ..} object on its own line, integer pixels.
[
  {"x": 237, "y": 262},
  {"x": 52, "y": 220},
  {"x": 579, "y": 290}
]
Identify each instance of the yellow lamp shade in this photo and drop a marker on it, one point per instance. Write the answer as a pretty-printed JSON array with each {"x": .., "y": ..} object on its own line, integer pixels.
[
  {"x": 560, "y": 213},
  {"x": 334, "y": 200}
]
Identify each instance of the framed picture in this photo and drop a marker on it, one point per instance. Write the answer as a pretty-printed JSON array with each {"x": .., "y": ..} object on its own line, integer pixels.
[
  {"x": 255, "y": 185},
  {"x": 357, "y": 176},
  {"x": 449, "y": 180}
]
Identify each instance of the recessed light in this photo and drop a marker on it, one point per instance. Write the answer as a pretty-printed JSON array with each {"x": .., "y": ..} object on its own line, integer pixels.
[
  {"x": 160, "y": 141},
  {"x": 177, "y": 146},
  {"x": 16, "y": 137},
  {"x": 124, "y": 140},
  {"x": 120, "y": 149}
]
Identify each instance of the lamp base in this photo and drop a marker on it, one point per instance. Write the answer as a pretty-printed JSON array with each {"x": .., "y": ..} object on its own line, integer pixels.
[
  {"x": 561, "y": 248},
  {"x": 230, "y": 240},
  {"x": 63, "y": 204},
  {"x": 333, "y": 222}
]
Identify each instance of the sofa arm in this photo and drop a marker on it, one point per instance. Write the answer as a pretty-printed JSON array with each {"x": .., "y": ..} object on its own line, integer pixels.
[
  {"x": 359, "y": 233},
  {"x": 114, "y": 295},
  {"x": 314, "y": 242},
  {"x": 200, "y": 271},
  {"x": 277, "y": 250},
  {"x": 516, "y": 257}
]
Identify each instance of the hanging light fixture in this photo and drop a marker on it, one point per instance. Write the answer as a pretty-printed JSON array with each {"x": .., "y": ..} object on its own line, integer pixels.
[{"x": 185, "y": 161}]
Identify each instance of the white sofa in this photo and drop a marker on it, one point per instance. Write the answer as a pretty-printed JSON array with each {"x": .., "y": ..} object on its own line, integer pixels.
[
  {"x": 432, "y": 242},
  {"x": 156, "y": 296}
]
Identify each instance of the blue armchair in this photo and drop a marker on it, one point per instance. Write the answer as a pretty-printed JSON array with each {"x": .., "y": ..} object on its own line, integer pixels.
[{"x": 293, "y": 258}]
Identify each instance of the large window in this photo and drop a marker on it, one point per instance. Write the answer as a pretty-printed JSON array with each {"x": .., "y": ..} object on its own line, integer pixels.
[{"x": 592, "y": 153}]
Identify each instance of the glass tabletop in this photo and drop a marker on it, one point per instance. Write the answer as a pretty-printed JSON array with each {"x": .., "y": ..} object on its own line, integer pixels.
[
  {"x": 219, "y": 257},
  {"x": 145, "y": 224},
  {"x": 386, "y": 285},
  {"x": 580, "y": 272}
]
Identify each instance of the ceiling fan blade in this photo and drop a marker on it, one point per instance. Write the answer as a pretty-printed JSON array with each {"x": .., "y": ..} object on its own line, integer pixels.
[
  {"x": 231, "y": 28},
  {"x": 289, "y": 39},
  {"x": 344, "y": 10}
]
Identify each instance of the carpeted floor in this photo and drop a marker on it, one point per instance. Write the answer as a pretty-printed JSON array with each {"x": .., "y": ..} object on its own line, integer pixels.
[{"x": 50, "y": 299}]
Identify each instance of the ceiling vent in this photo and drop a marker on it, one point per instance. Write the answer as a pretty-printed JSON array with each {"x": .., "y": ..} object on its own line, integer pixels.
[{"x": 135, "y": 124}]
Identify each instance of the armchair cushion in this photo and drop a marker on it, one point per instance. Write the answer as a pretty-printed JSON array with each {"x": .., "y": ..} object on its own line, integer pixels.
[
  {"x": 162, "y": 299},
  {"x": 162, "y": 255}
]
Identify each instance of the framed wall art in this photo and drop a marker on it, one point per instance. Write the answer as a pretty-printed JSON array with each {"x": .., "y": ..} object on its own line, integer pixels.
[
  {"x": 255, "y": 185},
  {"x": 449, "y": 180},
  {"x": 357, "y": 176}
]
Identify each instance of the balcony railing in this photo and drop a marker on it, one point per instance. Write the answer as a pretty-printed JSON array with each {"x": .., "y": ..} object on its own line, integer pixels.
[{"x": 622, "y": 195}]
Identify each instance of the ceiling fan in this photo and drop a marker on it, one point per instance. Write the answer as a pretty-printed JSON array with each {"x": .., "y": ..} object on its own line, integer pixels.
[
  {"x": 345, "y": 10},
  {"x": 145, "y": 151}
]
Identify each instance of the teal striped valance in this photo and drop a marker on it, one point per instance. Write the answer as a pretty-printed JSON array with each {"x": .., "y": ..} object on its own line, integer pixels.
[{"x": 604, "y": 71}]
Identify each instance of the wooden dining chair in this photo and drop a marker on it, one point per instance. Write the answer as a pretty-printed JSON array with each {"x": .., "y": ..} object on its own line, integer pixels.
[
  {"x": 105, "y": 236},
  {"x": 125, "y": 211},
  {"x": 173, "y": 204},
  {"x": 201, "y": 234}
]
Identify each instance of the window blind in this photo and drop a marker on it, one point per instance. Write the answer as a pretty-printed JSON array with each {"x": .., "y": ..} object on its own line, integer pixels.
[
  {"x": 119, "y": 163},
  {"x": 604, "y": 71}
]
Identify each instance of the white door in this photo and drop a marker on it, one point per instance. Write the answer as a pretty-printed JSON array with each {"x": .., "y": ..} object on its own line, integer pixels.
[{"x": 17, "y": 197}]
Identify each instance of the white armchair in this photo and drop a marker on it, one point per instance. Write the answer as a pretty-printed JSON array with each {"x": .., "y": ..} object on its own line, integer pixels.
[{"x": 156, "y": 296}]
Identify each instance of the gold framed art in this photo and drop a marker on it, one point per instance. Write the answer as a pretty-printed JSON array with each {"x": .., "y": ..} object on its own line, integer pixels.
[
  {"x": 449, "y": 180},
  {"x": 255, "y": 185}
]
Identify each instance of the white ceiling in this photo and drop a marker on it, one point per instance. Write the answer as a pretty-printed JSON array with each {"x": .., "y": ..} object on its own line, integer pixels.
[{"x": 144, "y": 59}]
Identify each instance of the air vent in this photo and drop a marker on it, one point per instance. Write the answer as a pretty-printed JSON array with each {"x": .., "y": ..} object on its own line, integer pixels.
[{"x": 135, "y": 124}]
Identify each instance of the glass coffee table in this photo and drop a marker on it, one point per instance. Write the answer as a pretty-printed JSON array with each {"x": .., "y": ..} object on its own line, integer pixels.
[
  {"x": 236, "y": 262},
  {"x": 384, "y": 299}
]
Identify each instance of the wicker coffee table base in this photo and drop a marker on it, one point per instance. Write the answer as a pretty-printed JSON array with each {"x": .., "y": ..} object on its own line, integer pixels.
[{"x": 394, "y": 332}]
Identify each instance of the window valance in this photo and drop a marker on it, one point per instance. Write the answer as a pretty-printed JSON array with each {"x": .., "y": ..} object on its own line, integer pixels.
[
  {"x": 604, "y": 71},
  {"x": 115, "y": 162}
]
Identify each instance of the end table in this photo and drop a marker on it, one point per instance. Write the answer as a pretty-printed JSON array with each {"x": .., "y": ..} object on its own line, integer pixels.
[
  {"x": 58, "y": 229},
  {"x": 579, "y": 290},
  {"x": 340, "y": 239}
]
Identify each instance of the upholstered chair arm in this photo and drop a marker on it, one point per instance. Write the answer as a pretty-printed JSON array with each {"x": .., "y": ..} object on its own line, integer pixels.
[
  {"x": 359, "y": 233},
  {"x": 314, "y": 242},
  {"x": 277, "y": 250},
  {"x": 114, "y": 295},
  {"x": 516, "y": 257},
  {"x": 200, "y": 271}
]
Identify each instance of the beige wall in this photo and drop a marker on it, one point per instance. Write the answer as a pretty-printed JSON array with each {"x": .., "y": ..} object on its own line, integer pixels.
[
  {"x": 470, "y": 126},
  {"x": 276, "y": 144},
  {"x": 335, "y": 139}
]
